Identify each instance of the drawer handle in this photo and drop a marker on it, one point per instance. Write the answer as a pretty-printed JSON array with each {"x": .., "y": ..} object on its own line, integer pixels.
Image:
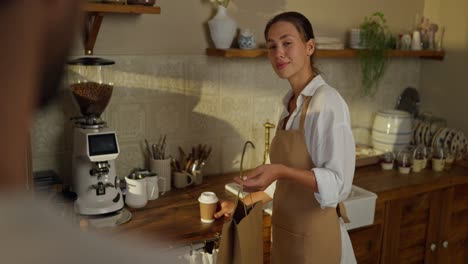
[
  {"x": 433, "y": 247},
  {"x": 445, "y": 244}
]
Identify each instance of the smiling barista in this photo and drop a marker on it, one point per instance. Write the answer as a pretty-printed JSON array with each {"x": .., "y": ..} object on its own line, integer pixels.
[{"x": 312, "y": 155}]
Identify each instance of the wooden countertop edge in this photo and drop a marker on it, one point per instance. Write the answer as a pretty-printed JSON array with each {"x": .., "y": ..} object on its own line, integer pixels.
[{"x": 409, "y": 184}]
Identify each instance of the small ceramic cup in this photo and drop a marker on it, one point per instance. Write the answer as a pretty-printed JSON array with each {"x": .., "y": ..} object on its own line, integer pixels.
[
  {"x": 163, "y": 169},
  {"x": 198, "y": 177},
  {"x": 183, "y": 179},
  {"x": 153, "y": 181}
]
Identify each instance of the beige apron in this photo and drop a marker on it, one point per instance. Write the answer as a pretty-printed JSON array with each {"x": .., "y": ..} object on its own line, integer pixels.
[{"x": 302, "y": 231}]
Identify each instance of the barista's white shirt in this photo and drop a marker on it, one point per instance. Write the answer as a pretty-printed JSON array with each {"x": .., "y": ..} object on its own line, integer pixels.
[{"x": 330, "y": 144}]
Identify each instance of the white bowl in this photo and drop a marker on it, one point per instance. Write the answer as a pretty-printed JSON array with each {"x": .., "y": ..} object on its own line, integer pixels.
[{"x": 393, "y": 122}]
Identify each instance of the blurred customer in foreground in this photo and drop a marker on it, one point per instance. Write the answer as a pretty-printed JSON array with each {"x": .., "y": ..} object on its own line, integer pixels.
[{"x": 36, "y": 39}]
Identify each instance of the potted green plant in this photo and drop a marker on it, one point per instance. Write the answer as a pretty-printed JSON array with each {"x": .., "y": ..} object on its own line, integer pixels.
[{"x": 373, "y": 57}]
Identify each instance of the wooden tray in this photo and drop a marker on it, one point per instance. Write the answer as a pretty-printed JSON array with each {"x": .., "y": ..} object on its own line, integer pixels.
[{"x": 367, "y": 160}]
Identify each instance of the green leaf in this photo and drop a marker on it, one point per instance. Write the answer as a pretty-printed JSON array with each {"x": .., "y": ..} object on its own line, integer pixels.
[{"x": 373, "y": 58}]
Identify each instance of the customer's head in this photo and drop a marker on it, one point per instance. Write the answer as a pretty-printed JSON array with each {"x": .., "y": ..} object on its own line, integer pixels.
[
  {"x": 50, "y": 26},
  {"x": 36, "y": 39},
  {"x": 291, "y": 41}
]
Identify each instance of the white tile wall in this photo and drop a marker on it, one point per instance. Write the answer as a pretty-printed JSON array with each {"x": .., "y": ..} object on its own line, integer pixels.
[{"x": 199, "y": 99}]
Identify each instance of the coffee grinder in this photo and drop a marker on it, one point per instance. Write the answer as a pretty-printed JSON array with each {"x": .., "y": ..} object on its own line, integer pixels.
[{"x": 95, "y": 146}]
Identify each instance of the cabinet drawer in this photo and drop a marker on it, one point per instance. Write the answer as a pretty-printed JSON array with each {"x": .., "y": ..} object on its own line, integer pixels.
[{"x": 366, "y": 243}]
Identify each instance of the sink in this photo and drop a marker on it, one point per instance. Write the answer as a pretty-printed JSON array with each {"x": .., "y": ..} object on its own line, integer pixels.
[{"x": 360, "y": 205}]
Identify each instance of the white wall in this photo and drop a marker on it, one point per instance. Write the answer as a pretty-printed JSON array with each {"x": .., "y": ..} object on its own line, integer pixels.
[
  {"x": 198, "y": 99},
  {"x": 165, "y": 83},
  {"x": 444, "y": 85}
]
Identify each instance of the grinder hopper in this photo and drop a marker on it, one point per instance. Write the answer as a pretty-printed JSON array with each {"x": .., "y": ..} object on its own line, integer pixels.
[{"x": 90, "y": 84}]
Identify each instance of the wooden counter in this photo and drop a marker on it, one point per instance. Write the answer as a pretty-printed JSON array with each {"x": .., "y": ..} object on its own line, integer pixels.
[
  {"x": 174, "y": 217},
  {"x": 389, "y": 185}
]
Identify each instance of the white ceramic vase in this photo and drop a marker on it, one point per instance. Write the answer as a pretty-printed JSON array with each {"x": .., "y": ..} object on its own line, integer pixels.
[{"x": 222, "y": 29}]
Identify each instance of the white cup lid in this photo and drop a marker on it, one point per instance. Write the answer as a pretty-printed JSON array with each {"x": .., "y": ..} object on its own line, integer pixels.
[{"x": 208, "y": 198}]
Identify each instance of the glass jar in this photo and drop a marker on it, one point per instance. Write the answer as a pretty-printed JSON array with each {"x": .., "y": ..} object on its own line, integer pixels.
[
  {"x": 419, "y": 158},
  {"x": 449, "y": 158},
  {"x": 438, "y": 159},
  {"x": 387, "y": 160},
  {"x": 404, "y": 158}
]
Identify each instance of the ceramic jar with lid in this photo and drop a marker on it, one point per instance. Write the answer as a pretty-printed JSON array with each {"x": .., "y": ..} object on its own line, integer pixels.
[{"x": 246, "y": 39}]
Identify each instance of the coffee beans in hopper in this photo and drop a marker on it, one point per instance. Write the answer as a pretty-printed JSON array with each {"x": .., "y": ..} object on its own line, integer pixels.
[{"x": 92, "y": 97}]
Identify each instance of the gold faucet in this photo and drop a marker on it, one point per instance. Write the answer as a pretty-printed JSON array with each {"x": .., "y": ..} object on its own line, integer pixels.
[
  {"x": 267, "y": 126},
  {"x": 242, "y": 157}
]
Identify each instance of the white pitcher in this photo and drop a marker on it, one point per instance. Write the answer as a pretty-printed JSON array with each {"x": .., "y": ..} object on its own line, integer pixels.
[{"x": 136, "y": 191}]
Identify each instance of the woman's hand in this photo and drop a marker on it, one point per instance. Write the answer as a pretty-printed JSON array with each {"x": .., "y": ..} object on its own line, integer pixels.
[
  {"x": 261, "y": 177},
  {"x": 227, "y": 208}
]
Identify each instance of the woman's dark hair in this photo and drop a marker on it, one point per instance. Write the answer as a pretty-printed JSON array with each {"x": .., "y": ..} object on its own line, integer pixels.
[{"x": 300, "y": 22}]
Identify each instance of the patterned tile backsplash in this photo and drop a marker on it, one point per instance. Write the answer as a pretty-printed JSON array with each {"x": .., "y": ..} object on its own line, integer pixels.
[{"x": 198, "y": 99}]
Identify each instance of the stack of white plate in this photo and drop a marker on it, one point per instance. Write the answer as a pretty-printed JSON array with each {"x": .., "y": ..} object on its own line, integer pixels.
[
  {"x": 449, "y": 139},
  {"x": 327, "y": 43},
  {"x": 355, "y": 38},
  {"x": 392, "y": 130}
]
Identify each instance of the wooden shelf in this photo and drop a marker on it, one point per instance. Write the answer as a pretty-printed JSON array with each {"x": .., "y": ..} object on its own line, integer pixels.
[
  {"x": 237, "y": 53},
  {"x": 346, "y": 53},
  {"x": 125, "y": 9},
  {"x": 95, "y": 14}
]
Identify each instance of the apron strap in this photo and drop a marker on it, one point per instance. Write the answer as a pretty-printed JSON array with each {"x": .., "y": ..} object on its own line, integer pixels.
[
  {"x": 305, "y": 106},
  {"x": 341, "y": 211},
  {"x": 280, "y": 124}
]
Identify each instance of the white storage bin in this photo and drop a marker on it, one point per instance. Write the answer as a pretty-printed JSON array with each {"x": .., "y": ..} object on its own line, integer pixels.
[{"x": 360, "y": 207}]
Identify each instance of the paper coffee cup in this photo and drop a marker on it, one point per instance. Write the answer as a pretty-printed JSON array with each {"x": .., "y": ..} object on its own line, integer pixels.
[{"x": 208, "y": 202}]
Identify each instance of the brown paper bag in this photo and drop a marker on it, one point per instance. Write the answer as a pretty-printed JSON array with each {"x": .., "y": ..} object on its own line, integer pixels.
[{"x": 242, "y": 238}]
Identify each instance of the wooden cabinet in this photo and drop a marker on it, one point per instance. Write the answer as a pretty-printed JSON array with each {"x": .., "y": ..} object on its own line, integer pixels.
[
  {"x": 452, "y": 242},
  {"x": 430, "y": 227},
  {"x": 427, "y": 228},
  {"x": 367, "y": 240},
  {"x": 366, "y": 243}
]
